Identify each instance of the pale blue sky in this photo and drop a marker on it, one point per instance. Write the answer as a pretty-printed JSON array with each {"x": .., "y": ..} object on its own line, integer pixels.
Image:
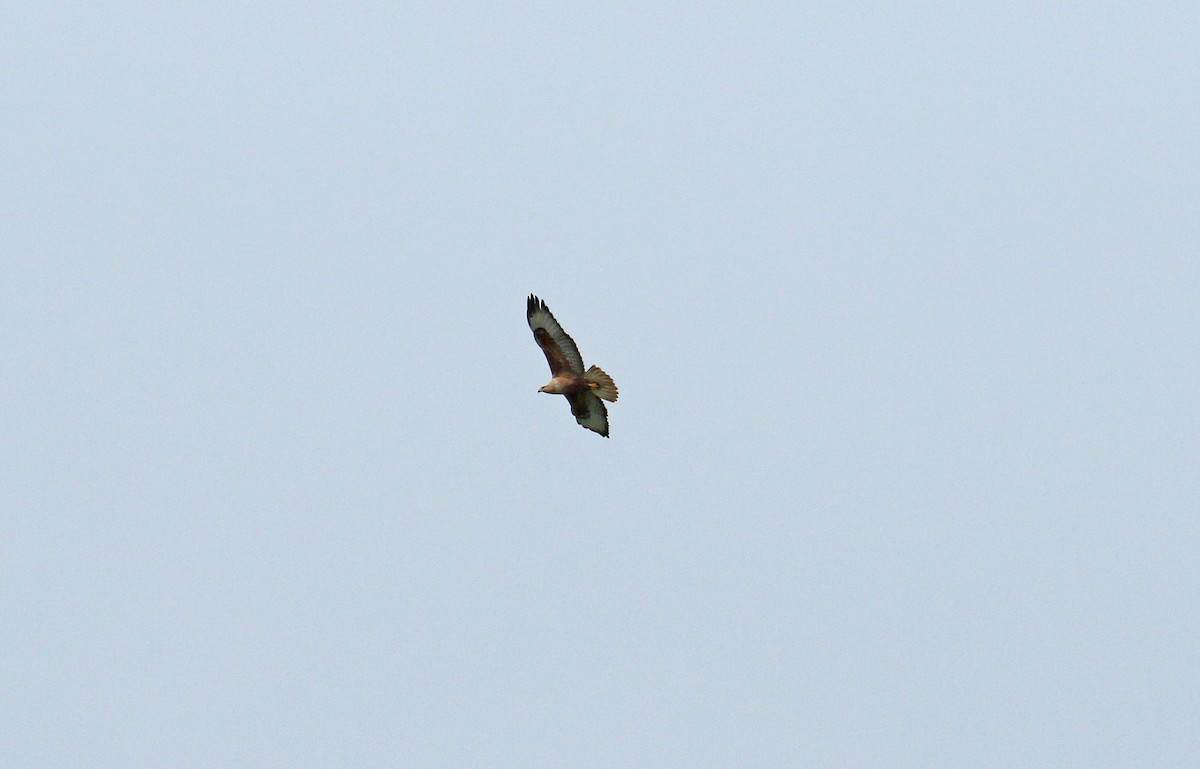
[{"x": 903, "y": 306}]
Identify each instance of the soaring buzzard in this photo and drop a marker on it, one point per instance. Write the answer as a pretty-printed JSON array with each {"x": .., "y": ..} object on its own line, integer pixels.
[{"x": 583, "y": 389}]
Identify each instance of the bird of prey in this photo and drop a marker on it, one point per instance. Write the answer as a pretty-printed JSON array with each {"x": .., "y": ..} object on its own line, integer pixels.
[{"x": 583, "y": 389}]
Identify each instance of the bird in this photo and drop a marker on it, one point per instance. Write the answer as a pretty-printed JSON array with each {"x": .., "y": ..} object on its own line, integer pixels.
[{"x": 582, "y": 389}]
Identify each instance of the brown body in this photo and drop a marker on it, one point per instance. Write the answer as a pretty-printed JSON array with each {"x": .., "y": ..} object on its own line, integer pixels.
[{"x": 566, "y": 384}]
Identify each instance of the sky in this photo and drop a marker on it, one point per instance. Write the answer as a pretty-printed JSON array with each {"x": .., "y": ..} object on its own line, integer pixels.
[{"x": 903, "y": 301}]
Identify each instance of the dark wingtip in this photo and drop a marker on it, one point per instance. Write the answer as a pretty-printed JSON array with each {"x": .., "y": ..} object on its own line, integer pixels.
[{"x": 533, "y": 304}]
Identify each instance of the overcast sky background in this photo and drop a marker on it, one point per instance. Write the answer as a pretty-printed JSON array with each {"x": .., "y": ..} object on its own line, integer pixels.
[{"x": 903, "y": 307}]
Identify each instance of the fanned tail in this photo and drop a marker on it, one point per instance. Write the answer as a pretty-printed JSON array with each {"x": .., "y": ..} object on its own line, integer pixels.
[{"x": 601, "y": 383}]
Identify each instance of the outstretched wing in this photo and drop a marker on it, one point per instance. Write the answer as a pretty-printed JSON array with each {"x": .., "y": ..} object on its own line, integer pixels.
[
  {"x": 589, "y": 411},
  {"x": 561, "y": 352}
]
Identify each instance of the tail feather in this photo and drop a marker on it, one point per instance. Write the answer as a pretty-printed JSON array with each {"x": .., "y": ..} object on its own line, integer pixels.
[{"x": 601, "y": 383}]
